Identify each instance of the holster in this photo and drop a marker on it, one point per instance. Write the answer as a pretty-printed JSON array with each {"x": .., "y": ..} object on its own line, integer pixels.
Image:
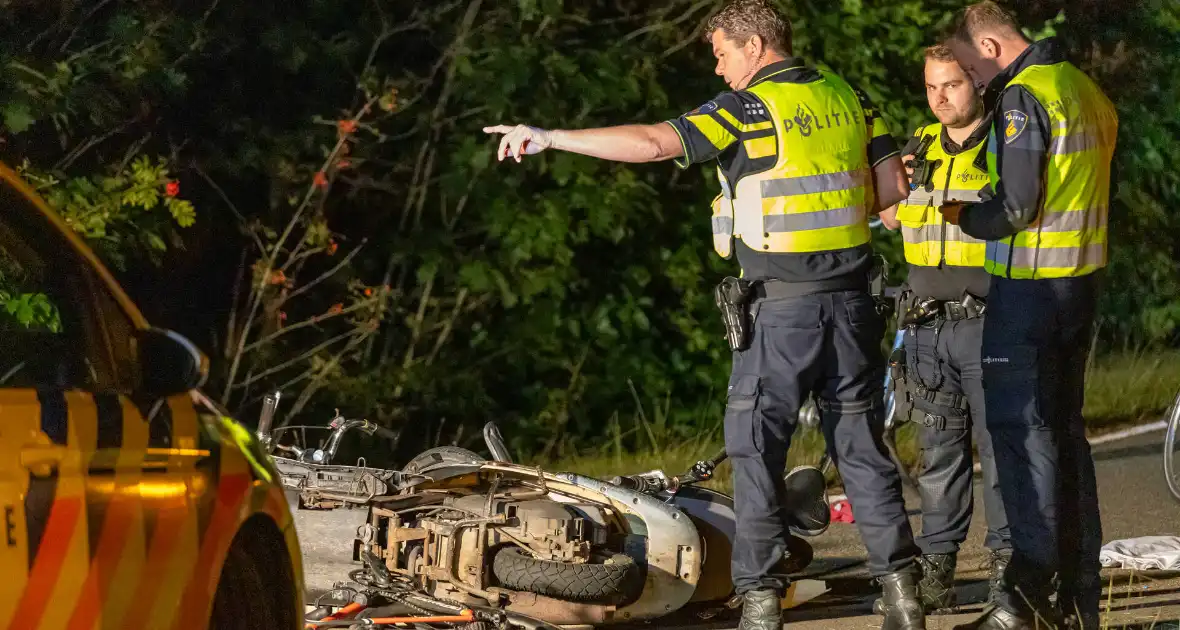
[
  {"x": 877, "y": 278},
  {"x": 919, "y": 311},
  {"x": 732, "y": 297},
  {"x": 903, "y": 400}
]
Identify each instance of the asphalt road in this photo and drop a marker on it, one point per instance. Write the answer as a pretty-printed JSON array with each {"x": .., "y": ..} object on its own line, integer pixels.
[{"x": 1135, "y": 502}]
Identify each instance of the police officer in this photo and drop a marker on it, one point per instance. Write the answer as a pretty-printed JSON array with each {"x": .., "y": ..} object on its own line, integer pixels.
[
  {"x": 1049, "y": 156},
  {"x": 802, "y": 160},
  {"x": 943, "y": 313}
]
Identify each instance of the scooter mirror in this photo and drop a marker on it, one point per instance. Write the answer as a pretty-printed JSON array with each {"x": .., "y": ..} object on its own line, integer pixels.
[
  {"x": 270, "y": 404},
  {"x": 495, "y": 443}
]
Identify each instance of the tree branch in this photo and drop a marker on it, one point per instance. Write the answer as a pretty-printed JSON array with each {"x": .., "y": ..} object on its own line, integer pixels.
[
  {"x": 230, "y": 204},
  {"x": 318, "y": 378},
  {"x": 415, "y": 331},
  {"x": 311, "y": 321},
  {"x": 232, "y": 320},
  {"x": 446, "y": 331},
  {"x": 327, "y": 274},
  {"x": 303, "y": 357}
]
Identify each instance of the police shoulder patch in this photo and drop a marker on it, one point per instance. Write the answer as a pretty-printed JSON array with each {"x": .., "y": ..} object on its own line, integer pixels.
[
  {"x": 1015, "y": 121},
  {"x": 707, "y": 108}
]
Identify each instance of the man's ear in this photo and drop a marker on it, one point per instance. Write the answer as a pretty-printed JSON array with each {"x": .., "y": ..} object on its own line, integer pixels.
[
  {"x": 989, "y": 47},
  {"x": 755, "y": 46}
]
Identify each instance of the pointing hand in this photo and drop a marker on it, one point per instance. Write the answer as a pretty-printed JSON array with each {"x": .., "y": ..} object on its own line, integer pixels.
[{"x": 520, "y": 140}]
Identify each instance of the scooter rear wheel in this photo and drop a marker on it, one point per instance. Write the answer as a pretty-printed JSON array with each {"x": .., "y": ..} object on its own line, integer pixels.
[{"x": 614, "y": 579}]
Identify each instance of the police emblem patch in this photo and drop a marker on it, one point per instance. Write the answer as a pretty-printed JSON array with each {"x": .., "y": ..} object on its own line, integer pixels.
[
  {"x": 1016, "y": 122},
  {"x": 707, "y": 108}
]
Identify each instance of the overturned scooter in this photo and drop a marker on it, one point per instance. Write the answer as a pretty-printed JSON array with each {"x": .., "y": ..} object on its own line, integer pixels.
[{"x": 563, "y": 548}]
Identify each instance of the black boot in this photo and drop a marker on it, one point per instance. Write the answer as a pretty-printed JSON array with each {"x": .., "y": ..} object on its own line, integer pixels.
[
  {"x": 996, "y": 563},
  {"x": 899, "y": 603},
  {"x": 996, "y": 618},
  {"x": 762, "y": 609},
  {"x": 1082, "y": 621},
  {"x": 937, "y": 587}
]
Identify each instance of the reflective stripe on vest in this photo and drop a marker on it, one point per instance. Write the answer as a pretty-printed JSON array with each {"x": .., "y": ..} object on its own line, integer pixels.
[
  {"x": 929, "y": 240},
  {"x": 816, "y": 196},
  {"x": 723, "y": 219},
  {"x": 1069, "y": 236}
]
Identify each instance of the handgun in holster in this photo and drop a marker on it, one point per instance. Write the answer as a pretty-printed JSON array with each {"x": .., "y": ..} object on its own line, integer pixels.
[
  {"x": 919, "y": 312},
  {"x": 923, "y": 176},
  {"x": 732, "y": 296}
]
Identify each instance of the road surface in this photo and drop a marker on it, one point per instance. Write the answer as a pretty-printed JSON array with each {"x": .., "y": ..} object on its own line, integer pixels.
[{"x": 1135, "y": 502}]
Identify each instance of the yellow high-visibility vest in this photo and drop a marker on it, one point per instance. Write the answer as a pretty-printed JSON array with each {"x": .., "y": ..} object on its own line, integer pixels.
[
  {"x": 928, "y": 239},
  {"x": 817, "y": 195},
  {"x": 1069, "y": 236}
]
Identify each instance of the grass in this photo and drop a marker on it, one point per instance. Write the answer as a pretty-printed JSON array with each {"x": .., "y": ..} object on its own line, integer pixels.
[
  {"x": 1130, "y": 387},
  {"x": 1121, "y": 389}
]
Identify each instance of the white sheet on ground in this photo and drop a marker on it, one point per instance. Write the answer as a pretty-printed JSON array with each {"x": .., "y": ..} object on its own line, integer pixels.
[{"x": 1143, "y": 554}]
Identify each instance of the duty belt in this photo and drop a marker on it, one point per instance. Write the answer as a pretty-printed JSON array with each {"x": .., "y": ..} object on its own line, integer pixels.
[
  {"x": 775, "y": 289},
  {"x": 956, "y": 310},
  {"x": 923, "y": 311}
]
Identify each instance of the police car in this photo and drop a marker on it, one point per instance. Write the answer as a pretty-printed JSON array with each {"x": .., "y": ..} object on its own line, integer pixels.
[{"x": 128, "y": 499}]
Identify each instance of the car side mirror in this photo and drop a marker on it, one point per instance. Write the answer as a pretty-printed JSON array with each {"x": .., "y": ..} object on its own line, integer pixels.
[{"x": 170, "y": 364}]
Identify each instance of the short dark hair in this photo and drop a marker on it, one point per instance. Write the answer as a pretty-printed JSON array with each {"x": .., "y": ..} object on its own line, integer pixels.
[
  {"x": 939, "y": 52},
  {"x": 983, "y": 17},
  {"x": 742, "y": 19}
]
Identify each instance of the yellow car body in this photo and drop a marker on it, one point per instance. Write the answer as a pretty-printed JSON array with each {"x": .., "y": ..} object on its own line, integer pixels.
[{"x": 128, "y": 499}]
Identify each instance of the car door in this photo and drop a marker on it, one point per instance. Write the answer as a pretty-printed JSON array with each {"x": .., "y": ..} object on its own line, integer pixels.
[
  {"x": 50, "y": 369},
  {"x": 152, "y": 481}
]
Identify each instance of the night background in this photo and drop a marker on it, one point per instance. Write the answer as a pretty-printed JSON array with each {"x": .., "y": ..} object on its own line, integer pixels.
[{"x": 349, "y": 238}]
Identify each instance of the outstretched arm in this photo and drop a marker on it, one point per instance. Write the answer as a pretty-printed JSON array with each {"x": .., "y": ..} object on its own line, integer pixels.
[
  {"x": 623, "y": 143},
  {"x": 698, "y": 136}
]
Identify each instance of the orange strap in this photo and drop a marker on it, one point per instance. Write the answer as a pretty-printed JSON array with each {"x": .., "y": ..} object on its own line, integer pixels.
[{"x": 464, "y": 616}]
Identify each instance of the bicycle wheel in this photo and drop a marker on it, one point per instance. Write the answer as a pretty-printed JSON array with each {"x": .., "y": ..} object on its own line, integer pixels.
[
  {"x": 890, "y": 399},
  {"x": 1172, "y": 449}
]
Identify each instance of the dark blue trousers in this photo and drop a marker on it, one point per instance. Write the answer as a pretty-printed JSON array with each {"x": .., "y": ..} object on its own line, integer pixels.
[
  {"x": 830, "y": 344},
  {"x": 1035, "y": 343},
  {"x": 943, "y": 356}
]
